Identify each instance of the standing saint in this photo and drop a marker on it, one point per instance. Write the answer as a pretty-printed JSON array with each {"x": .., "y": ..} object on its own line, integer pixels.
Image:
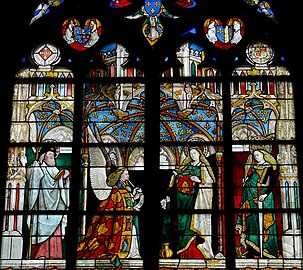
[
  {"x": 258, "y": 229},
  {"x": 48, "y": 191}
]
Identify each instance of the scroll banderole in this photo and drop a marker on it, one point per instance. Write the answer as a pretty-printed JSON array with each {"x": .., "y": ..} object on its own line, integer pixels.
[
  {"x": 140, "y": 203},
  {"x": 131, "y": 183}
]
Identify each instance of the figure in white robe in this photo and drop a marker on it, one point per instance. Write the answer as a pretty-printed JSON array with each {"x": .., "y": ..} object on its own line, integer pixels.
[{"x": 48, "y": 191}]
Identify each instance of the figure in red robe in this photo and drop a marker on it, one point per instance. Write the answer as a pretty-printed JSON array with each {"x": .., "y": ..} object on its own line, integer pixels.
[{"x": 114, "y": 236}]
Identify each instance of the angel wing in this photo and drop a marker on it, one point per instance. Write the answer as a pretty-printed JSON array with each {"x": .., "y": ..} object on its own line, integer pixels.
[
  {"x": 40, "y": 11},
  {"x": 97, "y": 169},
  {"x": 44, "y": 8},
  {"x": 140, "y": 13}
]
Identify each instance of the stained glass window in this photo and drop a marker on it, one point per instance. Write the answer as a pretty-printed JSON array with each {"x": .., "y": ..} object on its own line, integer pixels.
[
  {"x": 265, "y": 167},
  {"x": 38, "y": 176},
  {"x": 113, "y": 114},
  {"x": 191, "y": 112},
  {"x": 152, "y": 135}
]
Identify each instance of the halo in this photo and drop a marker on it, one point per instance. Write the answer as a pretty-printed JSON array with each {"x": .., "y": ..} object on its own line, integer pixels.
[{"x": 266, "y": 147}]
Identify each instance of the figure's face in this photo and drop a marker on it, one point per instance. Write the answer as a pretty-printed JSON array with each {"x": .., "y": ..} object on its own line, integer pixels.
[
  {"x": 194, "y": 154},
  {"x": 49, "y": 158},
  {"x": 125, "y": 175},
  {"x": 258, "y": 156}
]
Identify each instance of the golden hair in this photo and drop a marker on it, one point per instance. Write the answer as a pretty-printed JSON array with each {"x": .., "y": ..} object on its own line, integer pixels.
[
  {"x": 114, "y": 177},
  {"x": 203, "y": 160}
]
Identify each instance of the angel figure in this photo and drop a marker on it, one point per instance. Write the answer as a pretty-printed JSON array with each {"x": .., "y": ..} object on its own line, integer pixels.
[
  {"x": 152, "y": 27},
  {"x": 262, "y": 7},
  {"x": 44, "y": 8},
  {"x": 114, "y": 236}
]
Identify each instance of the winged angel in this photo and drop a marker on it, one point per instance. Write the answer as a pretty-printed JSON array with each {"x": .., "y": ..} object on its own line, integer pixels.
[
  {"x": 44, "y": 8},
  {"x": 152, "y": 26},
  {"x": 111, "y": 236}
]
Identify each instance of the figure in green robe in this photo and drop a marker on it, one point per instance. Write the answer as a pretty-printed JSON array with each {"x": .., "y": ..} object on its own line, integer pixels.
[{"x": 258, "y": 229}]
